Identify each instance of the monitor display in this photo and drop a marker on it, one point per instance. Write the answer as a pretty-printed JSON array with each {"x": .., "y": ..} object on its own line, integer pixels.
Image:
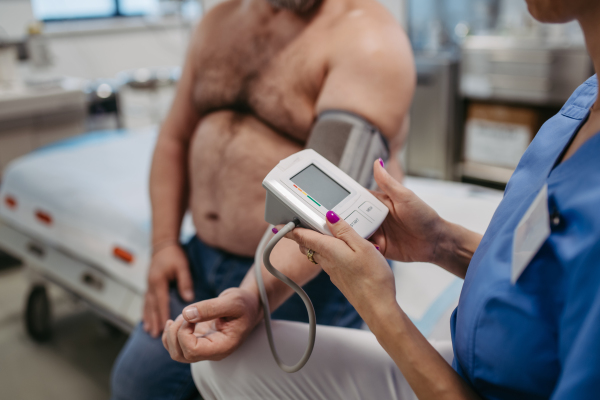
[{"x": 320, "y": 186}]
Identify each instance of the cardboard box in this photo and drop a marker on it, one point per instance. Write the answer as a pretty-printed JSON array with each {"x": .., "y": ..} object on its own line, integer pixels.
[{"x": 498, "y": 135}]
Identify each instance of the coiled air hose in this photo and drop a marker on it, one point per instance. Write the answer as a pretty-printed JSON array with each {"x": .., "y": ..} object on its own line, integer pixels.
[{"x": 268, "y": 246}]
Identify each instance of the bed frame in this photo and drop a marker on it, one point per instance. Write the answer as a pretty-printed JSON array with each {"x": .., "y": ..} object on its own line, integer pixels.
[{"x": 111, "y": 299}]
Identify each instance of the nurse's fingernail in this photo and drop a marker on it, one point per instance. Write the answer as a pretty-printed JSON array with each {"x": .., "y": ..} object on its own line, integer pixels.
[
  {"x": 381, "y": 162},
  {"x": 274, "y": 230},
  {"x": 191, "y": 313},
  {"x": 332, "y": 217},
  {"x": 189, "y": 295},
  {"x": 377, "y": 246},
  {"x": 146, "y": 326}
]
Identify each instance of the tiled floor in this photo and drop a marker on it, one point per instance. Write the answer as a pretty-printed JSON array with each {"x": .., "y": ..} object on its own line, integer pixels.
[{"x": 74, "y": 364}]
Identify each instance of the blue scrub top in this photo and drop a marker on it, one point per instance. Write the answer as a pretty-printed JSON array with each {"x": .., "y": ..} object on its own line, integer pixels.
[{"x": 539, "y": 338}]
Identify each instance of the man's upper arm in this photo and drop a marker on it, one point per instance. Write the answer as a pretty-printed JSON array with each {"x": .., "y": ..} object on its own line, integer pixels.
[{"x": 371, "y": 73}]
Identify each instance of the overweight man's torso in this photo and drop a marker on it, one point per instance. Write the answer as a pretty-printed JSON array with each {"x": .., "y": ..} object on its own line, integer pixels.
[{"x": 257, "y": 79}]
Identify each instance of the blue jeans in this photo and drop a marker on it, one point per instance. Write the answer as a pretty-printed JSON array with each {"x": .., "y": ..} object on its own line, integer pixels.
[{"x": 144, "y": 369}]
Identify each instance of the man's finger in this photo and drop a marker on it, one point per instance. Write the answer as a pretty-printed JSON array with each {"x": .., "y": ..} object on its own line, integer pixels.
[
  {"x": 188, "y": 340},
  {"x": 164, "y": 335},
  {"x": 172, "y": 341},
  {"x": 184, "y": 283},
  {"x": 210, "y": 309},
  {"x": 162, "y": 306},
  {"x": 216, "y": 347},
  {"x": 342, "y": 230},
  {"x": 146, "y": 315},
  {"x": 152, "y": 322}
]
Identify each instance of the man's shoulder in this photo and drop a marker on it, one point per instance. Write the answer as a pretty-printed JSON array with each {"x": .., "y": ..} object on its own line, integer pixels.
[
  {"x": 367, "y": 27},
  {"x": 221, "y": 10}
]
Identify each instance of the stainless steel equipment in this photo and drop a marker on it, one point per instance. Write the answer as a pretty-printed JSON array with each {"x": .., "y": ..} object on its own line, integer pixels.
[
  {"x": 529, "y": 73},
  {"x": 433, "y": 145},
  {"x": 34, "y": 117},
  {"x": 519, "y": 70}
]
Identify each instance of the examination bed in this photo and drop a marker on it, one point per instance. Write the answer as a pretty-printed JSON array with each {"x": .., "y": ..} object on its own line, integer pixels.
[{"x": 77, "y": 214}]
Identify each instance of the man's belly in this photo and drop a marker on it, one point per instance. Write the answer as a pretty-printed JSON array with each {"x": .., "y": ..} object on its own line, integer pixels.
[{"x": 230, "y": 155}]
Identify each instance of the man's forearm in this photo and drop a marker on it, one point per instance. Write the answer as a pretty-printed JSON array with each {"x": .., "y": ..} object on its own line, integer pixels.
[
  {"x": 168, "y": 189},
  {"x": 286, "y": 258}
]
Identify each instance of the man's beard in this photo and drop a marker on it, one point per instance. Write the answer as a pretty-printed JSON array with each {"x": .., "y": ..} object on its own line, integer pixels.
[{"x": 297, "y": 6}]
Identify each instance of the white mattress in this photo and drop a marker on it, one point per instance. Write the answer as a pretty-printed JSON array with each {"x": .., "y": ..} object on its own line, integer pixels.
[{"x": 95, "y": 190}]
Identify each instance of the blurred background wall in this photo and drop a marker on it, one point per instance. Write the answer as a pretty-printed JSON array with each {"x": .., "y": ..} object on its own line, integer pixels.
[{"x": 489, "y": 74}]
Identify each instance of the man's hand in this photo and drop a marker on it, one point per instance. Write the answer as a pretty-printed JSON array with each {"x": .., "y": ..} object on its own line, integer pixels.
[
  {"x": 168, "y": 264},
  {"x": 212, "y": 329}
]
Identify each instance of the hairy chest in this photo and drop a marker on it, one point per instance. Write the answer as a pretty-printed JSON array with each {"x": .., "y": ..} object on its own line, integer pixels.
[{"x": 264, "y": 69}]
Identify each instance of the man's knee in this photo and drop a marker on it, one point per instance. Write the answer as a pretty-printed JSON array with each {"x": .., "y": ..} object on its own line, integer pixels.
[{"x": 144, "y": 370}]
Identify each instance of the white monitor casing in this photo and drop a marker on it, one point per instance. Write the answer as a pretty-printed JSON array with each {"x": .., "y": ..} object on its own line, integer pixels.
[{"x": 286, "y": 200}]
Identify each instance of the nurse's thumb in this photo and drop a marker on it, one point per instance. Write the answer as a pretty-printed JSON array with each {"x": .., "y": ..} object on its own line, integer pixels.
[
  {"x": 341, "y": 229},
  {"x": 386, "y": 182}
]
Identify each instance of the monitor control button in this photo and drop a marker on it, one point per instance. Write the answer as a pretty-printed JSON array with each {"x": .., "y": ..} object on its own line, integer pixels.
[
  {"x": 358, "y": 221},
  {"x": 287, "y": 162},
  {"x": 368, "y": 209}
]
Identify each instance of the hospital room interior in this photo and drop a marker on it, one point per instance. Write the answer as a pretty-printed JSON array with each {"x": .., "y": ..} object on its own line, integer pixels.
[{"x": 87, "y": 86}]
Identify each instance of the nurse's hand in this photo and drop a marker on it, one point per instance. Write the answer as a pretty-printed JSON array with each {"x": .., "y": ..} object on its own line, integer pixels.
[
  {"x": 354, "y": 265},
  {"x": 412, "y": 230},
  {"x": 212, "y": 329},
  {"x": 168, "y": 264}
]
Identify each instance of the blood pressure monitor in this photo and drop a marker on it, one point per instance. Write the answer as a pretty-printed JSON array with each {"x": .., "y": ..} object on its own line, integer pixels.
[
  {"x": 301, "y": 189},
  {"x": 306, "y": 185}
]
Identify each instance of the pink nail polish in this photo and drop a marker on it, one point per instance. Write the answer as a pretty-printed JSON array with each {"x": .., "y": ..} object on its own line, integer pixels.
[
  {"x": 381, "y": 162},
  {"x": 332, "y": 217},
  {"x": 274, "y": 230},
  {"x": 377, "y": 247}
]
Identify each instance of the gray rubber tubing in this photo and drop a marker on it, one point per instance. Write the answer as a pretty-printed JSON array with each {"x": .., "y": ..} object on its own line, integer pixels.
[{"x": 268, "y": 246}]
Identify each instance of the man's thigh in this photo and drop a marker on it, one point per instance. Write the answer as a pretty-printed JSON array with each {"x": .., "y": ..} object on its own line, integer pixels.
[
  {"x": 345, "y": 364},
  {"x": 144, "y": 370}
]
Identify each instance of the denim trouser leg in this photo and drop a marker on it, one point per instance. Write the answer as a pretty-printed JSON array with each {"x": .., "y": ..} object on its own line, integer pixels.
[{"x": 144, "y": 369}]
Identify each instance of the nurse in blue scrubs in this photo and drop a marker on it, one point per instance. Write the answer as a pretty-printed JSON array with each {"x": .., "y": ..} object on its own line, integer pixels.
[{"x": 528, "y": 321}]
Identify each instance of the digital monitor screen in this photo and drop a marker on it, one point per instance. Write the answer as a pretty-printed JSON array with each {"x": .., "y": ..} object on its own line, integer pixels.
[{"x": 320, "y": 186}]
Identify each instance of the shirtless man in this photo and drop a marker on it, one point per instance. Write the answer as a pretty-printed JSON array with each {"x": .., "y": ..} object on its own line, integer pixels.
[{"x": 257, "y": 74}]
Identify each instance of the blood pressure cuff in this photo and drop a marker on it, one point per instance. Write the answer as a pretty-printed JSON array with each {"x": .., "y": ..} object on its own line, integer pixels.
[{"x": 350, "y": 142}]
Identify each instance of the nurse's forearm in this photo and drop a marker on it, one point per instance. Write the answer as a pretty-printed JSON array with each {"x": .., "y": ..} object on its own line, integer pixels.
[
  {"x": 455, "y": 248},
  {"x": 288, "y": 260},
  {"x": 428, "y": 374}
]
